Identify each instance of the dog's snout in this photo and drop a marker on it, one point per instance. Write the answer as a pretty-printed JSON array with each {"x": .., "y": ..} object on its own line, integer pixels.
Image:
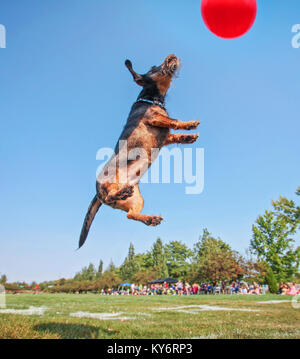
[
  {"x": 172, "y": 63},
  {"x": 171, "y": 57}
]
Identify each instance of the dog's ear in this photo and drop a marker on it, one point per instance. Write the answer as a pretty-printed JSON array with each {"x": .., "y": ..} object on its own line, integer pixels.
[{"x": 137, "y": 78}]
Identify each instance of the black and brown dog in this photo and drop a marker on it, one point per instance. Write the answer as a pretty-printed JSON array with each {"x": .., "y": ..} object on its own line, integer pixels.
[{"x": 147, "y": 130}]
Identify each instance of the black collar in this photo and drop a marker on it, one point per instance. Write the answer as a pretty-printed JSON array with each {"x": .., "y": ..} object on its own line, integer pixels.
[{"x": 155, "y": 102}]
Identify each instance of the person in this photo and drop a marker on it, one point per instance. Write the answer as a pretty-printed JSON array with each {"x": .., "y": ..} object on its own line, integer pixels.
[
  {"x": 132, "y": 288},
  {"x": 254, "y": 289},
  {"x": 209, "y": 288},
  {"x": 195, "y": 288},
  {"x": 214, "y": 286},
  {"x": 244, "y": 289},
  {"x": 284, "y": 289},
  {"x": 232, "y": 289},
  {"x": 180, "y": 287},
  {"x": 264, "y": 289},
  {"x": 223, "y": 287},
  {"x": 187, "y": 288},
  {"x": 292, "y": 290}
]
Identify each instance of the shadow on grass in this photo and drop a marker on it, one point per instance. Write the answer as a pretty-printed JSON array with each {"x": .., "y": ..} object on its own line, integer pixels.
[{"x": 68, "y": 331}]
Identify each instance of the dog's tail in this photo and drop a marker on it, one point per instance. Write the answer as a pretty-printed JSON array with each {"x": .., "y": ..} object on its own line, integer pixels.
[{"x": 91, "y": 213}]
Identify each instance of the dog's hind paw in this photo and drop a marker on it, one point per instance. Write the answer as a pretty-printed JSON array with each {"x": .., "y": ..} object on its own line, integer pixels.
[
  {"x": 153, "y": 220},
  {"x": 122, "y": 194}
]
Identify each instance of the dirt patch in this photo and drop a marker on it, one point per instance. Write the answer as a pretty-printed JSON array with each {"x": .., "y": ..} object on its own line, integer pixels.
[
  {"x": 30, "y": 311},
  {"x": 274, "y": 301},
  {"x": 101, "y": 316},
  {"x": 199, "y": 308}
]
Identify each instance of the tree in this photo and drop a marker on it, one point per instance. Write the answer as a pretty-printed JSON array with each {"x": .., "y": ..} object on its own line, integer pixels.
[
  {"x": 272, "y": 242},
  {"x": 111, "y": 267},
  {"x": 91, "y": 272},
  {"x": 130, "y": 266},
  {"x": 144, "y": 261},
  {"x": 255, "y": 270},
  {"x": 100, "y": 269},
  {"x": 107, "y": 280},
  {"x": 273, "y": 238},
  {"x": 158, "y": 255},
  {"x": 270, "y": 279},
  {"x": 178, "y": 257},
  {"x": 215, "y": 260},
  {"x": 61, "y": 281},
  {"x": 143, "y": 277},
  {"x": 3, "y": 279},
  {"x": 131, "y": 252},
  {"x": 287, "y": 210},
  {"x": 159, "y": 259},
  {"x": 205, "y": 241},
  {"x": 87, "y": 273}
]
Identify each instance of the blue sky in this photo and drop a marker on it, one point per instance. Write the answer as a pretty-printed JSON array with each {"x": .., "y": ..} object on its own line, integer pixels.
[{"x": 65, "y": 92}]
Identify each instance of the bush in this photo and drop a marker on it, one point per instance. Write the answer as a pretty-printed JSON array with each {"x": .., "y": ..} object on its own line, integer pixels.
[{"x": 143, "y": 277}]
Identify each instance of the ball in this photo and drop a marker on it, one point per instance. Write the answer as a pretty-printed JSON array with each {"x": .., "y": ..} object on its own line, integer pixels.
[{"x": 229, "y": 19}]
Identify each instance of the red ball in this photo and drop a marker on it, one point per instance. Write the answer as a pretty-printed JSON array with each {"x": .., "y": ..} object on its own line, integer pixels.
[{"x": 229, "y": 18}]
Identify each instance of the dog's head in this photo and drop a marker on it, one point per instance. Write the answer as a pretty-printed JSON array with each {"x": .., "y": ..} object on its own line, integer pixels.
[{"x": 158, "y": 76}]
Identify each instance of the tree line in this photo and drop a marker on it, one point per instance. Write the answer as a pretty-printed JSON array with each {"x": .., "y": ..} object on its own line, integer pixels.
[{"x": 271, "y": 258}]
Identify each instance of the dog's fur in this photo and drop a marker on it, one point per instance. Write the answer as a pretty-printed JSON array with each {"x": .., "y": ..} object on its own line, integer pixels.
[{"x": 148, "y": 127}]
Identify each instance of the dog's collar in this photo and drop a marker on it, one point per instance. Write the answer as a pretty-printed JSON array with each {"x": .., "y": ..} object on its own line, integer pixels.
[{"x": 153, "y": 102}]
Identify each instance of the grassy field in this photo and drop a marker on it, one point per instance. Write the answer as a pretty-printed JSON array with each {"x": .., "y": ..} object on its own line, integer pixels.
[{"x": 93, "y": 316}]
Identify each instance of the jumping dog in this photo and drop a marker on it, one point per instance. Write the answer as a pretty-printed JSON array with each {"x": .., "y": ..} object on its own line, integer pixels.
[{"x": 147, "y": 130}]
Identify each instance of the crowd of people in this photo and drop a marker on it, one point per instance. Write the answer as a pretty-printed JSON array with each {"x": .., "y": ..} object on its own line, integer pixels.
[
  {"x": 181, "y": 288},
  {"x": 289, "y": 289}
]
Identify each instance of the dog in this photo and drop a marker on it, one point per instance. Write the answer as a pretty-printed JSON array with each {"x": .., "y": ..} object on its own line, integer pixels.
[{"x": 147, "y": 130}]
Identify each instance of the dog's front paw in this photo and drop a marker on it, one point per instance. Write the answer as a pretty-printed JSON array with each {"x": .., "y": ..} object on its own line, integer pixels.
[
  {"x": 188, "y": 139},
  {"x": 192, "y": 125}
]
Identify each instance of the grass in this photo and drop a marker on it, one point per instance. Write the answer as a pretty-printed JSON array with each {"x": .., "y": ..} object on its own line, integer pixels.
[{"x": 142, "y": 318}]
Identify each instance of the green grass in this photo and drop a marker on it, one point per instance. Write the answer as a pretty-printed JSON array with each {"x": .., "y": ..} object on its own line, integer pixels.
[{"x": 268, "y": 321}]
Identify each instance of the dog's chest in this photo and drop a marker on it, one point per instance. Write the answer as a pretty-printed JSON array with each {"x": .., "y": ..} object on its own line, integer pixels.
[
  {"x": 139, "y": 134},
  {"x": 156, "y": 136}
]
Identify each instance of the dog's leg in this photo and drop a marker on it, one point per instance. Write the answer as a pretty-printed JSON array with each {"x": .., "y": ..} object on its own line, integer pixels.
[
  {"x": 146, "y": 219},
  {"x": 134, "y": 206},
  {"x": 181, "y": 138},
  {"x": 159, "y": 120}
]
